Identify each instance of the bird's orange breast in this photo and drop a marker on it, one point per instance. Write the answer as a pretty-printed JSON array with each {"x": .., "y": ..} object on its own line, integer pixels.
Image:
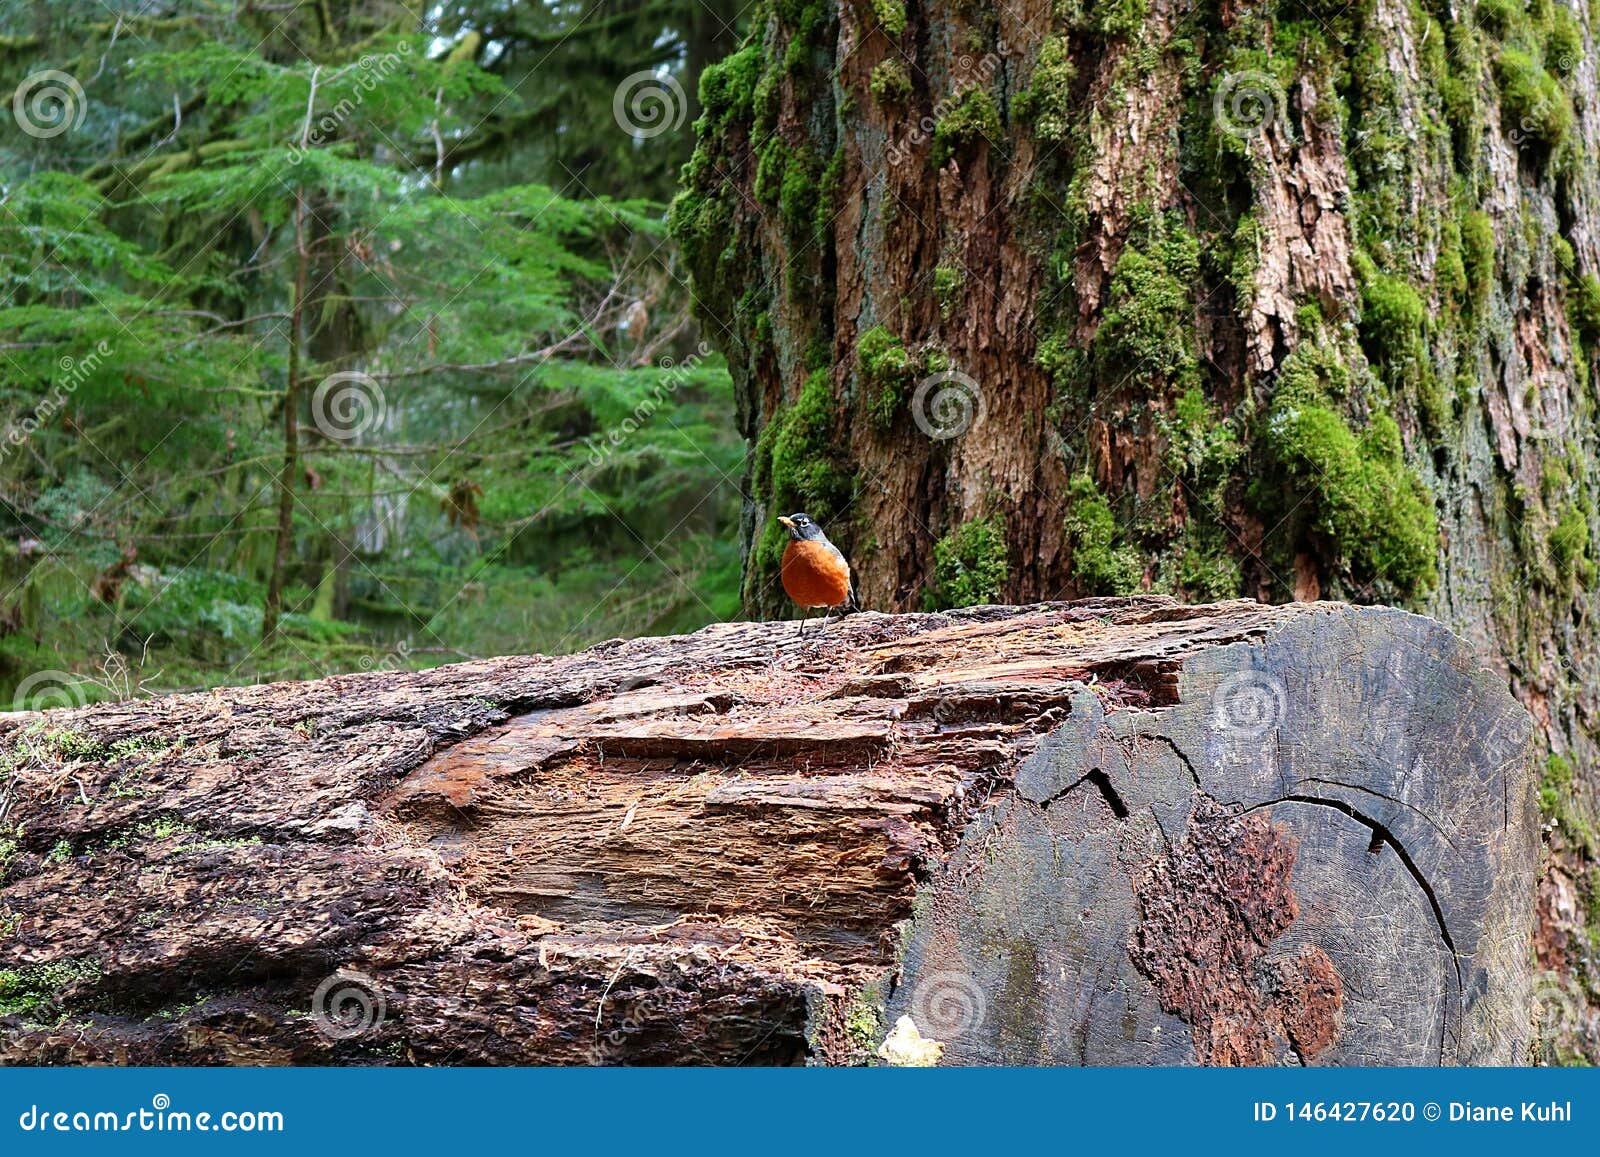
[{"x": 815, "y": 575}]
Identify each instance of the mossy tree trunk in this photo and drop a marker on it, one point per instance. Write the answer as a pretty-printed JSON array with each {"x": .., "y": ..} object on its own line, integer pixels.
[{"x": 1288, "y": 300}]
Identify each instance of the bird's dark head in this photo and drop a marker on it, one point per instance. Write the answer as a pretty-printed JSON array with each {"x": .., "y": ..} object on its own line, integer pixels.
[{"x": 803, "y": 528}]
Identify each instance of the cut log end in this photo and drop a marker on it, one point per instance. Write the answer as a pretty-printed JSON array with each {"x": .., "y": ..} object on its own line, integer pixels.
[{"x": 1117, "y": 831}]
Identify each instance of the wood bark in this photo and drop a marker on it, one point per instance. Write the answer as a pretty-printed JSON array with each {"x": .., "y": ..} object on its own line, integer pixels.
[
  {"x": 1316, "y": 165},
  {"x": 1116, "y": 831}
]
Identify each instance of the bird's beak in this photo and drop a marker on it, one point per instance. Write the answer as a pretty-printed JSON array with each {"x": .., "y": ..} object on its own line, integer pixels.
[{"x": 789, "y": 522}]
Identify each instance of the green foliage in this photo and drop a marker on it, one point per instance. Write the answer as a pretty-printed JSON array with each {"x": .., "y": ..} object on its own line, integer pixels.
[
  {"x": 34, "y": 991},
  {"x": 1362, "y": 497},
  {"x": 970, "y": 564},
  {"x": 971, "y": 119},
  {"x": 891, "y": 16},
  {"x": 534, "y": 417},
  {"x": 1103, "y": 566},
  {"x": 890, "y": 82}
]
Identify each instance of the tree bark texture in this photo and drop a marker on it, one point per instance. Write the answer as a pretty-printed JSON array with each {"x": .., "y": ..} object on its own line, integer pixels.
[
  {"x": 1115, "y": 831},
  {"x": 1283, "y": 300}
]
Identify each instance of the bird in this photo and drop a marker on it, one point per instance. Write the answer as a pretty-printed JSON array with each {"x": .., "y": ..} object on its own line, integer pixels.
[{"x": 815, "y": 574}]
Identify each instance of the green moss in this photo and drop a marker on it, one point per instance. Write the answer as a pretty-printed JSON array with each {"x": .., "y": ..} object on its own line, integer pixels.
[
  {"x": 891, "y": 16},
  {"x": 891, "y": 82},
  {"x": 1478, "y": 255},
  {"x": 1117, "y": 18},
  {"x": 1499, "y": 17},
  {"x": 799, "y": 197},
  {"x": 772, "y": 162},
  {"x": 802, "y": 458},
  {"x": 949, "y": 283},
  {"x": 1570, "y": 546},
  {"x": 1091, "y": 528},
  {"x": 973, "y": 118},
  {"x": 1150, "y": 319},
  {"x": 1363, "y": 498},
  {"x": 1583, "y": 307},
  {"x": 828, "y": 195},
  {"x": 886, "y": 369},
  {"x": 970, "y": 565},
  {"x": 1206, "y": 570},
  {"x": 1537, "y": 111},
  {"x": 728, "y": 88},
  {"x": 1563, "y": 43},
  {"x": 1558, "y": 801},
  {"x": 1060, "y": 357},
  {"x": 1046, "y": 103},
  {"x": 1201, "y": 448},
  {"x": 36, "y": 990}
]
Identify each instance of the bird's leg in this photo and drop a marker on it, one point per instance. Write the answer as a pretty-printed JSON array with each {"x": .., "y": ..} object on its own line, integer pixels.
[{"x": 801, "y": 633}]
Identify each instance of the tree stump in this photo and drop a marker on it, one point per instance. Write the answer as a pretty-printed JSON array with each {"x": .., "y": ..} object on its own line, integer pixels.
[{"x": 1121, "y": 831}]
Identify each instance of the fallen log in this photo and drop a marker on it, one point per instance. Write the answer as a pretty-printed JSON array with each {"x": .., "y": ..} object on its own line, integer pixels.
[{"x": 1107, "y": 832}]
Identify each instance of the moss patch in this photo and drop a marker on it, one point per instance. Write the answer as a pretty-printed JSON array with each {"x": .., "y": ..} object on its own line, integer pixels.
[
  {"x": 1104, "y": 567},
  {"x": 886, "y": 370},
  {"x": 973, "y": 118},
  {"x": 970, "y": 565},
  {"x": 1370, "y": 507},
  {"x": 1150, "y": 319},
  {"x": 36, "y": 990}
]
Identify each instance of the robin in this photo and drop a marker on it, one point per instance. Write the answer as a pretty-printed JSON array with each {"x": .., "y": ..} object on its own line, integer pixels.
[{"x": 814, "y": 573}]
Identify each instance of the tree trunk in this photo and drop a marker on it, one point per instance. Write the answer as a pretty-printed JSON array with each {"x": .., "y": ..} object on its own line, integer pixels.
[
  {"x": 1278, "y": 301},
  {"x": 1119, "y": 831}
]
